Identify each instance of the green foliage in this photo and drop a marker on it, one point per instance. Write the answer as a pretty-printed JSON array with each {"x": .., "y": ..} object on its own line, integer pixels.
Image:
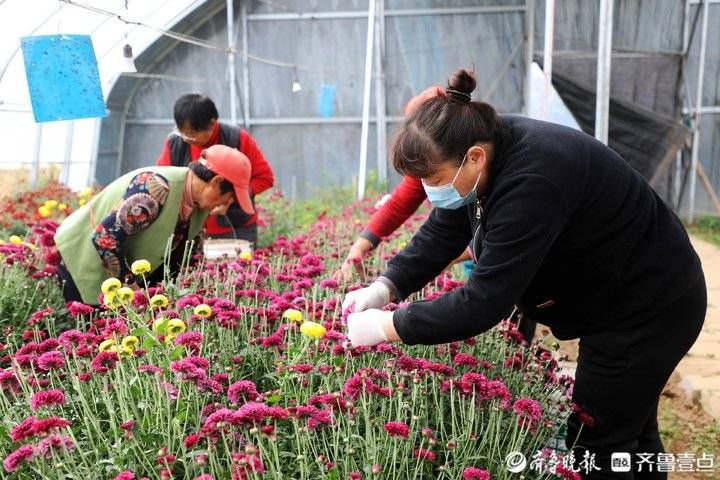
[{"x": 706, "y": 228}]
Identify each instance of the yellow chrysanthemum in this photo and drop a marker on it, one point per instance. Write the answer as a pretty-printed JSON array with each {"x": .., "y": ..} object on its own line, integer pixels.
[
  {"x": 203, "y": 310},
  {"x": 131, "y": 342},
  {"x": 106, "y": 345},
  {"x": 62, "y": 206},
  {"x": 110, "y": 285},
  {"x": 44, "y": 211},
  {"x": 312, "y": 329},
  {"x": 140, "y": 267},
  {"x": 125, "y": 294},
  {"x": 15, "y": 240},
  {"x": 124, "y": 352},
  {"x": 85, "y": 192},
  {"x": 82, "y": 202},
  {"x": 176, "y": 327},
  {"x": 293, "y": 315},
  {"x": 110, "y": 300},
  {"x": 159, "y": 301},
  {"x": 51, "y": 204},
  {"x": 245, "y": 255}
]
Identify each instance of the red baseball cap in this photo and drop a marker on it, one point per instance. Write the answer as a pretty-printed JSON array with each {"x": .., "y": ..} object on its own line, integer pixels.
[{"x": 233, "y": 166}]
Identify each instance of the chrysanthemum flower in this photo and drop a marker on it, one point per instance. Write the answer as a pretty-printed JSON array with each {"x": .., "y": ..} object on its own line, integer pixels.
[
  {"x": 424, "y": 454},
  {"x": 15, "y": 460},
  {"x": 106, "y": 345},
  {"x": 44, "y": 211},
  {"x": 397, "y": 429},
  {"x": 159, "y": 301},
  {"x": 110, "y": 285},
  {"x": 203, "y": 310},
  {"x": 176, "y": 327},
  {"x": 52, "y": 360},
  {"x": 140, "y": 267},
  {"x": 293, "y": 315},
  {"x": 131, "y": 342},
  {"x": 242, "y": 390},
  {"x": 125, "y": 295},
  {"x": 312, "y": 329},
  {"x": 474, "y": 473},
  {"x": 47, "y": 398}
]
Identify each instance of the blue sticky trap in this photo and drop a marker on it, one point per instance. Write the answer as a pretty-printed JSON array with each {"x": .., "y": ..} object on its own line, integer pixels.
[
  {"x": 62, "y": 75},
  {"x": 326, "y": 105}
]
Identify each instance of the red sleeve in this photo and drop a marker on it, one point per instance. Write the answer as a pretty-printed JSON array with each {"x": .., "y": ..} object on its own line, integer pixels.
[
  {"x": 406, "y": 198},
  {"x": 262, "y": 176},
  {"x": 164, "y": 159}
]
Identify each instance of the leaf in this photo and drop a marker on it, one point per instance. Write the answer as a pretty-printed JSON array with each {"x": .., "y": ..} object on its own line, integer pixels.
[{"x": 177, "y": 352}]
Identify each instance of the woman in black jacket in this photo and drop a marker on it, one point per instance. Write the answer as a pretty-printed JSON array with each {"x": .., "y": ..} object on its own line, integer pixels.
[{"x": 566, "y": 230}]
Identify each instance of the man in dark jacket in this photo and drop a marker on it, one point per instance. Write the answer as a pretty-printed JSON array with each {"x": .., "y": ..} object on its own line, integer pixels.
[
  {"x": 197, "y": 128},
  {"x": 565, "y": 229}
]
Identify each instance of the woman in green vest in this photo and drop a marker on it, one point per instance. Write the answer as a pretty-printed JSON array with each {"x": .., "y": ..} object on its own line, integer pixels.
[{"x": 147, "y": 214}]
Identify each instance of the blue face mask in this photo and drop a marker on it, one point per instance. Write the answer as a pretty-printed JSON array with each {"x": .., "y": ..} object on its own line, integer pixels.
[{"x": 446, "y": 196}]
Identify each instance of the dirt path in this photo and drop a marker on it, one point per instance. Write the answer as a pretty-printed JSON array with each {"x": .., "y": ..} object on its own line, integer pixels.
[{"x": 700, "y": 369}]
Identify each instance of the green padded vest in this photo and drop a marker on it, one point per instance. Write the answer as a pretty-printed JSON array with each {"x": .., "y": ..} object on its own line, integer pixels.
[{"x": 74, "y": 236}]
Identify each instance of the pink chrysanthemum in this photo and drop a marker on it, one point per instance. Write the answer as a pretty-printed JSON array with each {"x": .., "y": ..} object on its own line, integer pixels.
[
  {"x": 397, "y": 429},
  {"x": 47, "y": 398},
  {"x": 474, "y": 473}
]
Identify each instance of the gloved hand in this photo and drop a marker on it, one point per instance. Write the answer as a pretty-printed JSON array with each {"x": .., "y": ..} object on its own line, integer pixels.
[
  {"x": 368, "y": 328},
  {"x": 377, "y": 295}
]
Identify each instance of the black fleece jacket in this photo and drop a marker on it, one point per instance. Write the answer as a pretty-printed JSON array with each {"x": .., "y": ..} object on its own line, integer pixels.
[{"x": 566, "y": 230}]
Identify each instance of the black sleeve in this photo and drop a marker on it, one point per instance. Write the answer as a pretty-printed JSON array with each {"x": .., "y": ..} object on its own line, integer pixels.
[
  {"x": 528, "y": 214},
  {"x": 443, "y": 236}
]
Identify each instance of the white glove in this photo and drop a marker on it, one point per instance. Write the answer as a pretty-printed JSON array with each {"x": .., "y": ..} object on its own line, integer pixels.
[
  {"x": 368, "y": 328},
  {"x": 377, "y": 295}
]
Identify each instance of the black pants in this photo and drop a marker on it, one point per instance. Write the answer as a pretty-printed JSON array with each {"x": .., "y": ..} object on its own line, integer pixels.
[
  {"x": 619, "y": 379},
  {"x": 67, "y": 284}
]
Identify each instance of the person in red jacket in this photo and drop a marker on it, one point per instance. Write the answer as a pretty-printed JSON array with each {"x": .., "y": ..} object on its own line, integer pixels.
[
  {"x": 401, "y": 205},
  {"x": 197, "y": 128}
]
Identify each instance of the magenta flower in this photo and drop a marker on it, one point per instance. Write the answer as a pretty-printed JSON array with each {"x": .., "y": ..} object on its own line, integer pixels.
[
  {"x": 474, "y": 473},
  {"x": 125, "y": 475},
  {"x": 47, "y": 398},
  {"x": 53, "y": 360},
  {"x": 15, "y": 460},
  {"x": 424, "y": 454},
  {"x": 128, "y": 425},
  {"x": 104, "y": 362},
  {"x": 397, "y": 429},
  {"x": 53, "y": 443},
  {"x": 242, "y": 390},
  {"x": 527, "y": 408},
  {"x": 23, "y": 430},
  {"x": 465, "y": 359},
  {"x": 191, "y": 340},
  {"x": 76, "y": 309}
]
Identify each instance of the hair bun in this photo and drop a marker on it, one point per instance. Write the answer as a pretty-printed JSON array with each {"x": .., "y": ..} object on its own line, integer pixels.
[{"x": 463, "y": 81}]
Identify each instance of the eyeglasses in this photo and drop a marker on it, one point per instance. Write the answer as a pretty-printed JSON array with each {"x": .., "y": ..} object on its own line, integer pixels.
[{"x": 183, "y": 136}]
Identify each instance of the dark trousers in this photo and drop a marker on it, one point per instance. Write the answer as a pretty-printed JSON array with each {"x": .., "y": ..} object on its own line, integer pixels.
[
  {"x": 619, "y": 379},
  {"x": 67, "y": 284}
]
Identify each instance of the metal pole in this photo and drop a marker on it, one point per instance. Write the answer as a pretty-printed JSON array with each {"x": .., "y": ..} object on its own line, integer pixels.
[
  {"x": 698, "y": 113},
  {"x": 68, "y": 152},
  {"x": 529, "y": 41},
  {"x": 380, "y": 124},
  {"x": 95, "y": 152},
  {"x": 231, "y": 60},
  {"x": 246, "y": 66},
  {"x": 366, "y": 100},
  {"x": 602, "y": 101},
  {"x": 548, "y": 54},
  {"x": 36, "y": 156}
]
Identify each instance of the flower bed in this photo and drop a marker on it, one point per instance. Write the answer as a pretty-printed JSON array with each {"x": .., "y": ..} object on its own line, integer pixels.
[{"x": 240, "y": 369}]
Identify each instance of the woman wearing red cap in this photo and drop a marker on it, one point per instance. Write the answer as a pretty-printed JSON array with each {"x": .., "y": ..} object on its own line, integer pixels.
[{"x": 150, "y": 214}]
